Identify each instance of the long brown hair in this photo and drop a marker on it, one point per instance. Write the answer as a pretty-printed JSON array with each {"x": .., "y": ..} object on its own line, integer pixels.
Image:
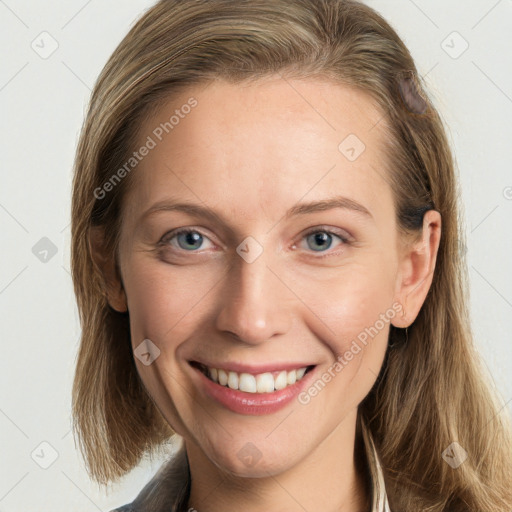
[{"x": 431, "y": 390}]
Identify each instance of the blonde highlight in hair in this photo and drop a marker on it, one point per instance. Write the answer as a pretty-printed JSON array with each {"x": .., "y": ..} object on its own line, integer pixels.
[{"x": 432, "y": 390}]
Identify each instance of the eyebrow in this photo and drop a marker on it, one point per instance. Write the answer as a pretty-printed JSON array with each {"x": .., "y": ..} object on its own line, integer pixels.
[{"x": 198, "y": 210}]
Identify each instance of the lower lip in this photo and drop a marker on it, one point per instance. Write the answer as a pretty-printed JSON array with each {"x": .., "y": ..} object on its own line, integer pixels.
[{"x": 255, "y": 404}]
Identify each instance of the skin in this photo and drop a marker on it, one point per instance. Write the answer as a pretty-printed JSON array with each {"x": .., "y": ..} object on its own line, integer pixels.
[{"x": 251, "y": 152}]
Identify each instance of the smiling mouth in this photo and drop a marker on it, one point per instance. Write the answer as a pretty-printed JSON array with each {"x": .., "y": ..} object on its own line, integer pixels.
[{"x": 266, "y": 382}]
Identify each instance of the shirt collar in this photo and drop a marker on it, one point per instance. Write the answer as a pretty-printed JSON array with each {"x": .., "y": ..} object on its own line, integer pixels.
[
  {"x": 379, "y": 495},
  {"x": 171, "y": 483}
]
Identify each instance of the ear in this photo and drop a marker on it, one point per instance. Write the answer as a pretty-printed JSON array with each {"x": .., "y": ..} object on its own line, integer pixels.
[
  {"x": 107, "y": 267},
  {"x": 418, "y": 261}
]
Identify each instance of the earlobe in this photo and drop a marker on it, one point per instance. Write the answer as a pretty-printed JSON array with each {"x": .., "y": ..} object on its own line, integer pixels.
[
  {"x": 106, "y": 266},
  {"x": 417, "y": 270}
]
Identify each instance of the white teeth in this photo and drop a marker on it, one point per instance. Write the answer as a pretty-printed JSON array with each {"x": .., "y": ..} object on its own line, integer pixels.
[
  {"x": 261, "y": 383},
  {"x": 223, "y": 377},
  {"x": 233, "y": 380},
  {"x": 213, "y": 373},
  {"x": 264, "y": 383},
  {"x": 248, "y": 383},
  {"x": 300, "y": 373},
  {"x": 291, "y": 377},
  {"x": 280, "y": 382}
]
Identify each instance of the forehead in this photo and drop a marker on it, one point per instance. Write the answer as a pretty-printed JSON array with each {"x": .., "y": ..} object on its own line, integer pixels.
[{"x": 266, "y": 143}]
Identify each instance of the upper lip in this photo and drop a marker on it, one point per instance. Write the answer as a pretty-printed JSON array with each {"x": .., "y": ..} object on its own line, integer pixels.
[{"x": 253, "y": 368}]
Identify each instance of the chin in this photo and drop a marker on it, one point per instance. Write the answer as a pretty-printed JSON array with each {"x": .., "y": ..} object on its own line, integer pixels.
[{"x": 250, "y": 462}]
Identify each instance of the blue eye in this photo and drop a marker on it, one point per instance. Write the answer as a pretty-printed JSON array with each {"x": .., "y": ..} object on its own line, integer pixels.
[
  {"x": 322, "y": 239},
  {"x": 186, "y": 239}
]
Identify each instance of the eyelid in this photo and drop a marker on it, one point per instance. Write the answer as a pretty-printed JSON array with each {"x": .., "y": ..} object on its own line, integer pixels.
[{"x": 344, "y": 235}]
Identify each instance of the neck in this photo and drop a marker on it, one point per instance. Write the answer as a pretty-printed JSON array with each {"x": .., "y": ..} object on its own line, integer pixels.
[{"x": 332, "y": 478}]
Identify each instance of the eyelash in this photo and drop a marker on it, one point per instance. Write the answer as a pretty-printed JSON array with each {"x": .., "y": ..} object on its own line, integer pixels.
[{"x": 318, "y": 229}]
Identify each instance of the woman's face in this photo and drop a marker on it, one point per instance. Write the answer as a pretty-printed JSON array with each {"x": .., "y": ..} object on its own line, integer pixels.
[{"x": 268, "y": 280}]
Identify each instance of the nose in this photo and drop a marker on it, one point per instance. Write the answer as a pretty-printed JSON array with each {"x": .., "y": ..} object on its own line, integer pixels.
[{"x": 255, "y": 302}]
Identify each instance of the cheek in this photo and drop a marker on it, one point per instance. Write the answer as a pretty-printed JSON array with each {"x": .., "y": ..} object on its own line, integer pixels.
[
  {"x": 357, "y": 348},
  {"x": 164, "y": 302},
  {"x": 360, "y": 307},
  {"x": 349, "y": 300},
  {"x": 166, "y": 305},
  {"x": 361, "y": 324},
  {"x": 353, "y": 311}
]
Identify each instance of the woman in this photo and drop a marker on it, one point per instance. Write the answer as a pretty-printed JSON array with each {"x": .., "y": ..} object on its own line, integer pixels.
[{"x": 312, "y": 350}]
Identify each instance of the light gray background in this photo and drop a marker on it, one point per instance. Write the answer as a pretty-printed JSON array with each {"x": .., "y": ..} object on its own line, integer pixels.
[{"x": 42, "y": 103}]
